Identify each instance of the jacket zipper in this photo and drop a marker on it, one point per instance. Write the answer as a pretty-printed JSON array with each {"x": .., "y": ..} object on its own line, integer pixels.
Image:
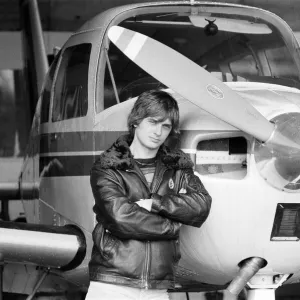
[
  {"x": 147, "y": 245},
  {"x": 147, "y": 263},
  {"x": 148, "y": 248}
]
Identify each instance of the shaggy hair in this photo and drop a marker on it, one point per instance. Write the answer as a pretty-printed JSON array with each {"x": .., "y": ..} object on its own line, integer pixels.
[{"x": 155, "y": 104}]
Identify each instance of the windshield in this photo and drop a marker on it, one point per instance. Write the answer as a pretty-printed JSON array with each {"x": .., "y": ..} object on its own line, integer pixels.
[{"x": 232, "y": 48}]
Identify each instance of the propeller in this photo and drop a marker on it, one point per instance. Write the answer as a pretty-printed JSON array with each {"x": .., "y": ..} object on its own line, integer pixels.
[{"x": 195, "y": 84}]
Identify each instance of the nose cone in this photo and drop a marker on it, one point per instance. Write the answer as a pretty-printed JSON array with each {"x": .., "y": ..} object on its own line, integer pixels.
[{"x": 278, "y": 160}]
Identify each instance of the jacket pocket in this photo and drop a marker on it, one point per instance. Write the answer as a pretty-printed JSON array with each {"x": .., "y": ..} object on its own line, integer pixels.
[
  {"x": 103, "y": 240},
  {"x": 109, "y": 243}
]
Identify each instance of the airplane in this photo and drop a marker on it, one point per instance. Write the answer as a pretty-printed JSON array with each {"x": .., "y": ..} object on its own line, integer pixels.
[{"x": 234, "y": 71}]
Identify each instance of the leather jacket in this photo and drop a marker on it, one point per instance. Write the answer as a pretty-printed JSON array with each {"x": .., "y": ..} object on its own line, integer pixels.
[{"x": 133, "y": 246}]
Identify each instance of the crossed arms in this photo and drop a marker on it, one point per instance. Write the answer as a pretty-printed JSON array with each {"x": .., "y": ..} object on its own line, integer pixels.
[{"x": 160, "y": 218}]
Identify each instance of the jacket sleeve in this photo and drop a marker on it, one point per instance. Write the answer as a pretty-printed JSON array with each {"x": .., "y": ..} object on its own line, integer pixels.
[
  {"x": 126, "y": 219},
  {"x": 190, "y": 207}
]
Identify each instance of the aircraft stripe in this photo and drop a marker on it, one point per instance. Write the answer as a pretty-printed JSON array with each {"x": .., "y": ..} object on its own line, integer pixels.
[
  {"x": 70, "y": 165},
  {"x": 135, "y": 45},
  {"x": 129, "y": 42},
  {"x": 62, "y": 166},
  {"x": 78, "y": 141},
  {"x": 57, "y": 165},
  {"x": 95, "y": 153},
  {"x": 116, "y": 35},
  {"x": 94, "y": 142}
]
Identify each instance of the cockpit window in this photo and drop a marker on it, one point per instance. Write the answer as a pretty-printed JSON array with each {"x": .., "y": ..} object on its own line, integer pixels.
[
  {"x": 46, "y": 93},
  {"x": 281, "y": 63},
  {"x": 240, "y": 48},
  {"x": 70, "y": 98}
]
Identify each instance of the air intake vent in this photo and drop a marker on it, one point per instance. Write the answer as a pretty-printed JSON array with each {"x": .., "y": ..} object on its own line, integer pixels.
[
  {"x": 222, "y": 158},
  {"x": 286, "y": 225}
]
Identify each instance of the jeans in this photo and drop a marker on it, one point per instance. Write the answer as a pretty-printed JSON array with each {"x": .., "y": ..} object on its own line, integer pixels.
[{"x": 105, "y": 291}]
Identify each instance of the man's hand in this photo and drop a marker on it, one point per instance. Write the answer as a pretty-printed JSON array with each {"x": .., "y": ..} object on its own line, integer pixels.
[{"x": 145, "y": 203}]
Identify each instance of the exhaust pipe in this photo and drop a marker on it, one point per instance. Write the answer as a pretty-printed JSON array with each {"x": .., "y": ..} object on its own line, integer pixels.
[
  {"x": 248, "y": 268},
  {"x": 62, "y": 247}
]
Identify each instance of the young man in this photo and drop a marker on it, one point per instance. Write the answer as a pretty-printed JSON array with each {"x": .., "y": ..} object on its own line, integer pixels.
[{"x": 143, "y": 193}]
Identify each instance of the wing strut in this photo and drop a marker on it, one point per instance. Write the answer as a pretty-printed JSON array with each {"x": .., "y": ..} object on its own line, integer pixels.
[
  {"x": 34, "y": 52},
  {"x": 38, "y": 284},
  {"x": 111, "y": 76}
]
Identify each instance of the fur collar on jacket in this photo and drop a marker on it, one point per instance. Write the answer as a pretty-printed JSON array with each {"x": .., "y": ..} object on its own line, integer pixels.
[{"x": 118, "y": 156}]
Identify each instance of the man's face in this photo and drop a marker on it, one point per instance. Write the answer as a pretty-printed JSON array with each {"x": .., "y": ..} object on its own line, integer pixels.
[{"x": 152, "y": 132}]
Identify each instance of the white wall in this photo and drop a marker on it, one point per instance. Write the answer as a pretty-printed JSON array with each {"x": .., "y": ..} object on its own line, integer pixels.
[{"x": 11, "y": 47}]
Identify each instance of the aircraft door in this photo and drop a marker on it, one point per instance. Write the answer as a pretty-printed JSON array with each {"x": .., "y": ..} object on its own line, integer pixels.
[
  {"x": 68, "y": 138},
  {"x": 31, "y": 170}
]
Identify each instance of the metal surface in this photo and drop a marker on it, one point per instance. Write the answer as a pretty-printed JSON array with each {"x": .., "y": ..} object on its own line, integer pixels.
[
  {"x": 48, "y": 246},
  {"x": 9, "y": 190},
  {"x": 263, "y": 294},
  {"x": 248, "y": 269},
  {"x": 38, "y": 43},
  {"x": 278, "y": 163}
]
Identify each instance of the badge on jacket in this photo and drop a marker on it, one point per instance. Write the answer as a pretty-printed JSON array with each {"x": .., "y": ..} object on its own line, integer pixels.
[
  {"x": 182, "y": 191},
  {"x": 171, "y": 184}
]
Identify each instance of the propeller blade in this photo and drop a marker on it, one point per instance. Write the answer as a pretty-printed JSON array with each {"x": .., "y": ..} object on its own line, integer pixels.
[{"x": 191, "y": 81}]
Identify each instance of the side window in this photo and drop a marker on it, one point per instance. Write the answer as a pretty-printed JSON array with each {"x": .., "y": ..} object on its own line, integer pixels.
[
  {"x": 281, "y": 63},
  {"x": 70, "y": 98},
  {"x": 46, "y": 94},
  {"x": 244, "y": 66}
]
